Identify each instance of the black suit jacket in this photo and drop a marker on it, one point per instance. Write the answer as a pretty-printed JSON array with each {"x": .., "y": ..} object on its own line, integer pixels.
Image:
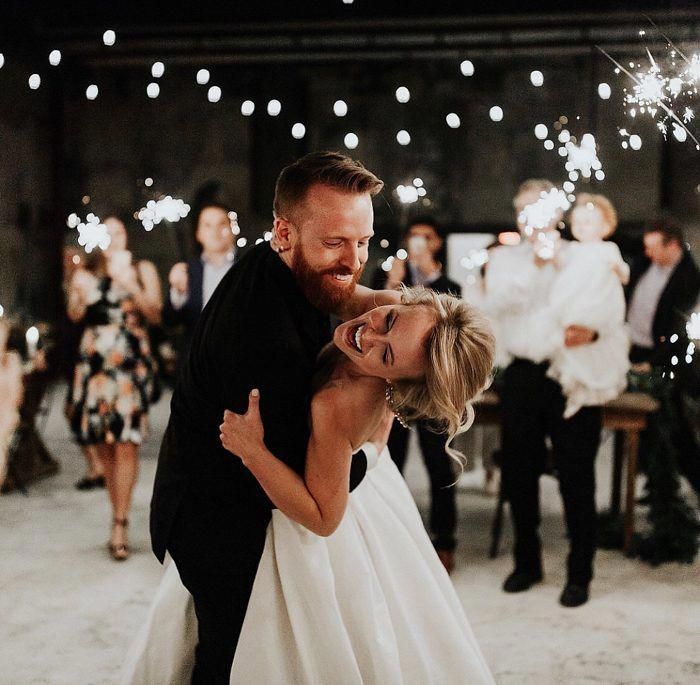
[
  {"x": 257, "y": 331},
  {"x": 677, "y": 299},
  {"x": 441, "y": 285}
]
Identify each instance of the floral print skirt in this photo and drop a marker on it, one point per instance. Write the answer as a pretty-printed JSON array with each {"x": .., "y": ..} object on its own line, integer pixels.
[{"x": 112, "y": 385}]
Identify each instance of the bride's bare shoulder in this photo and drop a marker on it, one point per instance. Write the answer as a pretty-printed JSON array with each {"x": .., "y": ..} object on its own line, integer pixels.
[{"x": 344, "y": 400}]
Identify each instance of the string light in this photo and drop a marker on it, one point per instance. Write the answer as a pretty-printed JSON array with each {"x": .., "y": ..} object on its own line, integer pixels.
[
  {"x": 541, "y": 131},
  {"x": 298, "y": 131},
  {"x": 157, "y": 70},
  {"x": 453, "y": 120},
  {"x": 55, "y": 58},
  {"x": 214, "y": 94},
  {"x": 91, "y": 92},
  {"x": 274, "y": 107},
  {"x": 604, "y": 91},
  {"x": 340, "y": 108},
  {"x": 351, "y": 141},
  {"x": 403, "y": 95},
  {"x": 153, "y": 90},
  {"x": 536, "y": 78},
  {"x": 467, "y": 68},
  {"x": 34, "y": 81},
  {"x": 403, "y": 137},
  {"x": 109, "y": 38},
  {"x": 496, "y": 113},
  {"x": 247, "y": 108},
  {"x": 203, "y": 77}
]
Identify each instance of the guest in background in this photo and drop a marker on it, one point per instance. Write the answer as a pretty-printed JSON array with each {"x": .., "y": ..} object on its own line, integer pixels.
[
  {"x": 70, "y": 345},
  {"x": 662, "y": 292},
  {"x": 424, "y": 243},
  {"x": 192, "y": 283},
  {"x": 10, "y": 396},
  {"x": 588, "y": 291},
  {"x": 518, "y": 284},
  {"x": 113, "y": 378}
]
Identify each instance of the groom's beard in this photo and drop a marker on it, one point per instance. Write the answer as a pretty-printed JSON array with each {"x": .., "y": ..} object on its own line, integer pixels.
[{"x": 320, "y": 288}]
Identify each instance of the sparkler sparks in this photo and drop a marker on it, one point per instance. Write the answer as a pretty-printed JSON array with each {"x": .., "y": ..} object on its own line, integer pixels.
[
  {"x": 692, "y": 327},
  {"x": 543, "y": 212},
  {"x": 92, "y": 233},
  {"x": 408, "y": 194},
  {"x": 663, "y": 89},
  {"x": 167, "y": 208}
]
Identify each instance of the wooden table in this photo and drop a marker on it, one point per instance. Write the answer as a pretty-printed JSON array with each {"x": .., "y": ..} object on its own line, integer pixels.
[{"x": 627, "y": 416}]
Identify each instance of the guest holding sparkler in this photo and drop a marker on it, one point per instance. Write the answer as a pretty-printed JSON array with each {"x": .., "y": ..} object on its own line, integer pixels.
[
  {"x": 114, "y": 376},
  {"x": 192, "y": 283}
]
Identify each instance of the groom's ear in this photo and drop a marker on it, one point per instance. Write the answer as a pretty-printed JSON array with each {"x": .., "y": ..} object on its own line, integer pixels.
[{"x": 282, "y": 230}]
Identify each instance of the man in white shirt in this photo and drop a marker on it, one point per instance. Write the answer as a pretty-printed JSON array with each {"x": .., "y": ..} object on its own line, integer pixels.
[
  {"x": 193, "y": 283},
  {"x": 518, "y": 281}
]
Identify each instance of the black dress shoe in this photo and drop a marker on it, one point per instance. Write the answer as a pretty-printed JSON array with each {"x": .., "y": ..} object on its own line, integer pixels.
[
  {"x": 90, "y": 483},
  {"x": 519, "y": 581},
  {"x": 573, "y": 595}
]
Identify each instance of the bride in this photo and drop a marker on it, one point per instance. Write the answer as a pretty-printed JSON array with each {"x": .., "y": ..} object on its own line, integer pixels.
[{"x": 349, "y": 589}]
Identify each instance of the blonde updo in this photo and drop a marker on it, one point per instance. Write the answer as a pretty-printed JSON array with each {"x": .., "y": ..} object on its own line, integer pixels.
[{"x": 460, "y": 351}]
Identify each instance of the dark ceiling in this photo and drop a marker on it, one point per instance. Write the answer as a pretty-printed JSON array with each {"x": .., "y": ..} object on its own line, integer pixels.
[{"x": 18, "y": 16}]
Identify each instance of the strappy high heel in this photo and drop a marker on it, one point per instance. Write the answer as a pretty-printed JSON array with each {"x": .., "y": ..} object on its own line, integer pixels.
[{"x": 119, "y": 552}]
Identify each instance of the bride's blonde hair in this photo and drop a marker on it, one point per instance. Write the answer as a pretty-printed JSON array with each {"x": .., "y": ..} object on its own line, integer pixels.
[{"x": 460, "y": 351}]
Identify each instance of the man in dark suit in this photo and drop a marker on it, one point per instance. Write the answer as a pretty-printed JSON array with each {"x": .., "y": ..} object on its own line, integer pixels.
[
  {"x": 424, "y": 243},
  {"x": 662, "y": 291},
  {"x": 263, "y": 328},
  {"x": 192, "y": 283}
]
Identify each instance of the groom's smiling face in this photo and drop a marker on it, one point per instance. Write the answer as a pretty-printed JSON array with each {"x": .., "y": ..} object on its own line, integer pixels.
[{"x": 328, "y": 236}]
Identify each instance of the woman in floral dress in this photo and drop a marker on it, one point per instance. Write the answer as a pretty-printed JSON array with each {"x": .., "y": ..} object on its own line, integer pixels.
[{"x": 114, "y": 375}]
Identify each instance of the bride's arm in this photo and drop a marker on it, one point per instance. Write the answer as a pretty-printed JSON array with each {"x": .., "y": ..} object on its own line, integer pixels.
[{"x": 317, "y": 501}]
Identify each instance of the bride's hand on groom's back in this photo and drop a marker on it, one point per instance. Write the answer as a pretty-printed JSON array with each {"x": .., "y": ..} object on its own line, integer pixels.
[{"x": 243, "y": 434}]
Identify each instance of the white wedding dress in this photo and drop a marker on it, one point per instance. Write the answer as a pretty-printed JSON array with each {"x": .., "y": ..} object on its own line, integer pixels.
[{"x": 371, "y": 604}]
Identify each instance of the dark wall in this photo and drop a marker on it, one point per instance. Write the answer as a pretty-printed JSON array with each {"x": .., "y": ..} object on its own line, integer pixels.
[{"x": 108, "y": 146}]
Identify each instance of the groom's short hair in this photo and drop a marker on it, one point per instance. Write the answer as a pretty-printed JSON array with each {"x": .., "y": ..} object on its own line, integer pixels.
[{"x": 331, "y": 169}]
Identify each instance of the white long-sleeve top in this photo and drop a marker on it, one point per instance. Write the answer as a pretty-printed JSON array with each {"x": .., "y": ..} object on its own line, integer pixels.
[
  {"x": 517, "y": 300},
  {"x": 587, "y": 292}
]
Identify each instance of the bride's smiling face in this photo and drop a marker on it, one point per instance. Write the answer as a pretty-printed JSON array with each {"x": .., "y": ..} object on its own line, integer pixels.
[{"x": 388, "y": 342}]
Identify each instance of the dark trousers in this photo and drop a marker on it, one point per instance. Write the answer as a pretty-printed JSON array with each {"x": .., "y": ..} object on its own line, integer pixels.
[
  {"x": 532, "y": 407},
  {"x": 443, "y": 510},
  {"x": 217, "y": 564}
]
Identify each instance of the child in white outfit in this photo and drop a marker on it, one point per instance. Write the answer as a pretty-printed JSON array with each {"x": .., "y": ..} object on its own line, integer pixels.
[{"x": 588, "y": 292}]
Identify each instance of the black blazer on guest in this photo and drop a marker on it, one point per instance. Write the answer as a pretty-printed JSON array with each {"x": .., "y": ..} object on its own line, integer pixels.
[
  {"x": 440, "y": 285},
  {"x": 257, "y": 331},
  {"x": 189, "y": 313},
  {"x": 677, "y": 300}
]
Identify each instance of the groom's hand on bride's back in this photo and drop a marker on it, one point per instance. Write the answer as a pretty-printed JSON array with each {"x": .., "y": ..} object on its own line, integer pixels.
[
  {"x": 243, "y": 434},
  {"x": 364, "y": 299}
]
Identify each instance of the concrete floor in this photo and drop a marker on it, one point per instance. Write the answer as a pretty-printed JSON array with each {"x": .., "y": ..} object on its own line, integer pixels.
[{"x": 67, "y": 612}]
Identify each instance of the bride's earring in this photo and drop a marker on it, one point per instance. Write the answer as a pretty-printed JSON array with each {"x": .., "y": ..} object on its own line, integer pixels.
[{"x": 389, "y": 394}]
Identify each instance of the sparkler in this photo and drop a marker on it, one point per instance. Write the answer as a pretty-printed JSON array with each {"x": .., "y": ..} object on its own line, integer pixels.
[
  {"x": 408, "y": 194},
  {"x": 543, "y": 212},
  {"x": 692, "y": 327},
  {"x": 92, "y": 233},
  {"x": 167, "y": 208},
  {"x": 658, "y": 92}
]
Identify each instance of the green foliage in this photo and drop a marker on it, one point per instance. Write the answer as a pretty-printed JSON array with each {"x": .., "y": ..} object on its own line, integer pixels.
[{"x": 674, "y": 529}]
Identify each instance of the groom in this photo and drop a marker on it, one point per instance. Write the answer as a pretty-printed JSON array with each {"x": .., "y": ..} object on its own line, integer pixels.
[{"x": 262, "y": 328}]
